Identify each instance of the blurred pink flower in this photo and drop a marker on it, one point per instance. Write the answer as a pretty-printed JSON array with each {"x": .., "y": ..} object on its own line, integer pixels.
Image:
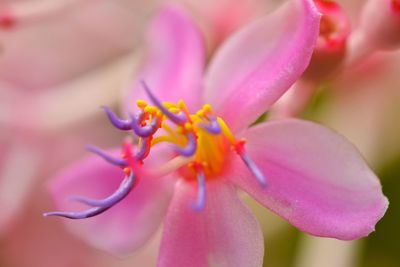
[
  {"x": 327, "y": 59},
  {"x": 43, "y": 52},
  {"x": 376, "y": 27},
  {"x": 364, "y": 105},
  {"x": 363, "y": 92},
  {"x": 302, "y": 171},
  {"x": 220, "y": 18},
  {"x": 52, "y": 77}
]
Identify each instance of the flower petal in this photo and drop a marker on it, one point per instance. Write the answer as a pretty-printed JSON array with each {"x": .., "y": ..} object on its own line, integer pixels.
[
  {"x": 67, "y": 42},
  {"x": 15, "y": 184},
  {"x": 258, "y": 64},
  {"x": 217, "y": 24},
  {"x": 316, "y": 179},
  {"x": 225, "y": 233},
  {"x": 378, "y": 29},
  {"x": 127, "y": 225},
  {"x": 174, "y": 65}
]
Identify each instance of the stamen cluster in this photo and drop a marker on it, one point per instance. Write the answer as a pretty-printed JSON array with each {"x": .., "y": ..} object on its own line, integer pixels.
[{"x": 199, "y": 141}]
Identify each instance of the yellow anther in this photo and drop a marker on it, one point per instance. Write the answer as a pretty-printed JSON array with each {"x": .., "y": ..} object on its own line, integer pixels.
[
  {"x": 181, "y": 104},
  {"x": 207, "y": 108},
  {"x": 150, "y": 109},
  {"x": 141, "y": 103},
  {"x": 195, "y": 119},
  {"x": 200, "y": 113},
  {"x": 174, "y": 110},
  {"x": 168, "y": 104},
  {"x": 188, "y": 126}
]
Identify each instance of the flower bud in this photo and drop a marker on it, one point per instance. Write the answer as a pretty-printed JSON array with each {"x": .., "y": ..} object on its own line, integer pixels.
[{"x": 331, "y": 44}]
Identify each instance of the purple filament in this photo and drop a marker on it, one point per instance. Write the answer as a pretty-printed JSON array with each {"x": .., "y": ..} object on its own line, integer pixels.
[
  {"x": 144, "y": 149},
  {"x": 79, "y": 214},
  {"x": 177, "y": 119},
  {"x": 254, "y": 169},
  {"x": 117, "y": 122},
  {"x": 99, "y": 206},
  {"x": 115, "y": 161},
  {"x": 201, "y": 193},
  {"x": 213, "y": 127},
  {"x": 123, "y": 190},
  {"x": 190, "y": 148},
  {"x": 144, "y": 131}
]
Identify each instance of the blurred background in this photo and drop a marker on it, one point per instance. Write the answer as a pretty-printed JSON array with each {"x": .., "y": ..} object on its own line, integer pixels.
[{"x": 61, "y": 60}]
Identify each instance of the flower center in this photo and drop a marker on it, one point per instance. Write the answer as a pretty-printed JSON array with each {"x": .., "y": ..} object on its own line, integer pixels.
[{"x": 201, "y": 142}]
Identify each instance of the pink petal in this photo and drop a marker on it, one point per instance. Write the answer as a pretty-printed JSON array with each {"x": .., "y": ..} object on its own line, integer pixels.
[
  {"x": 126, "y": 226},
  {"x": 174, "y": 64},
  {"x": 316, "y": 179},
  {"x": 16, "y": 185},
  {"x": 48, "y": 51},
  {"x": 258, "y": 64},
  {"x": 378, "y": 29},
  {"x": 224, "y": 234},
  {"x": 217, "y": 24}
]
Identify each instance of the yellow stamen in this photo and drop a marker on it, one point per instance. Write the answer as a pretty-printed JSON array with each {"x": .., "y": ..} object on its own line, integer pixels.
[
  {"x": 207, "y": 108},
  {"x": 211, "y": 148},
  {"x": 200, "y": 113},
  {"x": 141, "y": 103},
  {"x": 174, "y": 110},
  {"x": 168, "y": 130},
  {"x": 150, "y": 109},
  {"x": 226, "y": 131},
  {"x": 169, "y": 104}
]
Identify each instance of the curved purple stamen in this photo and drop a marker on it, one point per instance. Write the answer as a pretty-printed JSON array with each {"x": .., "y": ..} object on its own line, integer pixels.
[
  {"x": 254, "y": 169},
  {"x": 177, "y": 119},
  {"x": 144, "y": 131},
  {"x": 79, "y": 214},
  {"x": 126, "y": 186},
  {"x": 115, "y": 161},
  {"x": 190, "y": 148},
  {"x": 101, "y": 205},
  {"x": 117, "y": 122},
  {"x": 201, "y": 194},
  {"x": 144, "y": 149},
  {"x": 213, "y": 127}
]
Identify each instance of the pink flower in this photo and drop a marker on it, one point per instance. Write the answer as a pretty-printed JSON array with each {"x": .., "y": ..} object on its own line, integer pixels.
[
  {"x": 339, "y": 49},
  {"x": 330, "y": 50},
  {"x": 48, "y": 62},
  {"x": 54, "y": 34},
  {"x": 328, "y": 58},
  {"x": 378, "y": 29},
  {"x": 302, "y": 171}
]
